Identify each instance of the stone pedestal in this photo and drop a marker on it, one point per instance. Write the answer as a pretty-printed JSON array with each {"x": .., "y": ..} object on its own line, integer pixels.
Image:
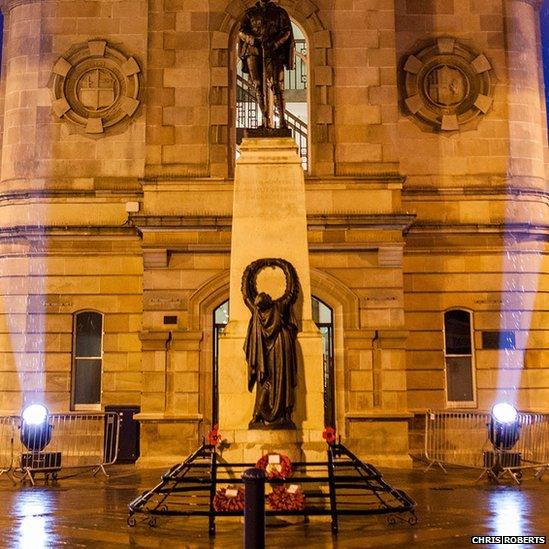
[{"x": 269, "y": 221}]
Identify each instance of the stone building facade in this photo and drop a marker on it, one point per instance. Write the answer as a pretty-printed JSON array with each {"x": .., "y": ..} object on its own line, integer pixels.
[{"x": 426, "y": 194}]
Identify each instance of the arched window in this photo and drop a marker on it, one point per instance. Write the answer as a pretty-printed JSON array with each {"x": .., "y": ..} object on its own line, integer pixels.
[
  {"x": 459, "y": 355},
  {"x": 221, "y": 318},
  {"x": 248, "y": 114},
  {"x": 323, "y": 318},
  {"x": 87, "y": 360}
]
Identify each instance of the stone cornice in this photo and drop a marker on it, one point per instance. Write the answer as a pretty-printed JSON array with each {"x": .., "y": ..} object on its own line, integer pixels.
[
  {"x": 510, "y": 228},
  {"x": 161, "y": 417},
  {"x": 40, "y": 232},
  {"x": 69, "y": 194},
  {"x": 474, "y": 190},
  {"x": 398, "y": 220}
]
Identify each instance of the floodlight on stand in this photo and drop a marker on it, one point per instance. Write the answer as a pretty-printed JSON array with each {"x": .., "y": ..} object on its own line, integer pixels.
[
  {"x": 504, "y": 433},
  {"x": 504, "y": 427},
  {"x": 36, "y": 434},
  {"x": 35, "y": 428}
]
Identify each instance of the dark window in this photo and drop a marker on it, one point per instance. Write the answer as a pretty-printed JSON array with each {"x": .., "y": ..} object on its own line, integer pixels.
[
  {"x": 498, "y": 340},
  {"x": 457, "y": 330},
  {"x": 221, "y": 319},
  {"x": 87, "y": 358},
  {"x": 323, "y": 318},
  {"x": 458, "y": 356}
]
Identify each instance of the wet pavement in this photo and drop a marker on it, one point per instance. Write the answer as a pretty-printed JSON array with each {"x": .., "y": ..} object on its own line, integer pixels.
[{"x": 91, "y": 512}]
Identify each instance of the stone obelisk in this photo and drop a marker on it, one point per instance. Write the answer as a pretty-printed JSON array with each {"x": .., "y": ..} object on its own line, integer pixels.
[{"x": 269, "y": 221}]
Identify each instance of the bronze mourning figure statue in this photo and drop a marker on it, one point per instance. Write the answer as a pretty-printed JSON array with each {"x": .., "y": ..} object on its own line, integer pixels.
[
  {"x": 270, "y": 347},
  {"x": 266, "y": 47}
]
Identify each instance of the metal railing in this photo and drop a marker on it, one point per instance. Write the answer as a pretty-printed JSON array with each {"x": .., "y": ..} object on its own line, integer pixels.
[
  {"x": 341, "y": 485},
  {"x": 8, "y": 428},
  {"x": 247, "y": 116},
  {"x": 461, "y": 438},
  {"x": 78, "y": 440},
  {"x": 296, "y": 79}
]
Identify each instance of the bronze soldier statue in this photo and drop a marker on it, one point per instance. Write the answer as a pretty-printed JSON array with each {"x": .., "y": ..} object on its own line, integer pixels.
[
  {"x": 270, "y": 347},
  {"x": 266, "y": 46}
]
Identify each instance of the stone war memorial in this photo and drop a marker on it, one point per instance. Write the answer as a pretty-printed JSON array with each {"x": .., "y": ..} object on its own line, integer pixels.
[{"x": 274, "y": 232}]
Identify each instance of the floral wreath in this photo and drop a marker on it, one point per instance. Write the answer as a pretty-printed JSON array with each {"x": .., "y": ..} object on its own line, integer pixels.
[
  {"x": 214, "y": 437},
  {"x": 232, "y": 502},
  {"x": 281, "y": 470},
  {"x": 329, "y": 435},
  {"x": 286, "y": 499}
]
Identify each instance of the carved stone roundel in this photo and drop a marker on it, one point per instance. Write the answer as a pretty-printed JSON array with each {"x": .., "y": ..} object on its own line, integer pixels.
[
  {"x": 448, "y": 86},
  {"x": 95, "y": 87}
]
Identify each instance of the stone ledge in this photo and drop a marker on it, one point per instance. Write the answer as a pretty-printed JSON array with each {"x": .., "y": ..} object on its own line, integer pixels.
[
  {"x": 165, "y": 418},
  {"x": 376, "y": 416},
  {"x": 153, "y": 462},
  {"x": 391, "y": 461}
]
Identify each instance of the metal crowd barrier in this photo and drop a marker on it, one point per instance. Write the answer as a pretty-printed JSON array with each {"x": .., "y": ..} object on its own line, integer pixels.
[
  {"x": 78, "y": 440},
  {"x": 8, "y": 429},
  {"x": 461, "y": 439}
]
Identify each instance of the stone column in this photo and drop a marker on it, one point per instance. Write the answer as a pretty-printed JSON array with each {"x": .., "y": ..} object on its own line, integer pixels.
[
  {"x": 56, "y": 182},
  {"x": 23, "y": 94},
  {"x": 379, "y": 432},
  {"x": 269, "y": 221},
  {"x": 170, "y": 417},
  {"x": 527, "y": 148},
  {"x": 527, "y": 124}
]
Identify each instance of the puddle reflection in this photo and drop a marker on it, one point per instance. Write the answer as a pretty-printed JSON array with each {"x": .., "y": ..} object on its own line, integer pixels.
[
  {"x": 509, "y": 511},
  {"x": 33, "y": 508}
]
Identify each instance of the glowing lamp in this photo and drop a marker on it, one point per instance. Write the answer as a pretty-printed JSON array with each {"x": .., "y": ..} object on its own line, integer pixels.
[
  {"x": 504, "y": 413},
  {"x": 35, "y": 430},
  {"x": 504, "y": 426},
  {"x": 35, "y": 414}
]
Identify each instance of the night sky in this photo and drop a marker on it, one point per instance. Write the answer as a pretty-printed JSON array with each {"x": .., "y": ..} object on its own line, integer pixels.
[{"x": 545, "y": 43}]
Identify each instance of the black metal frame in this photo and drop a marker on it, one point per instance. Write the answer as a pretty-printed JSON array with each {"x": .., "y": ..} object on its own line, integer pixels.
[{"x": 348, "y": 479}]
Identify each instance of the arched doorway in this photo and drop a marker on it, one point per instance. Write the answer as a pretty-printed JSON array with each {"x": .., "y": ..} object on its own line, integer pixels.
[{"x": 324, "y": 319}]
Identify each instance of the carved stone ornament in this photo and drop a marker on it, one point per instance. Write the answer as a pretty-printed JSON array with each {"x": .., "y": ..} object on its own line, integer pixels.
[
  {"x": 95, "y": 87},
  {"x": 448, "y": 86}
]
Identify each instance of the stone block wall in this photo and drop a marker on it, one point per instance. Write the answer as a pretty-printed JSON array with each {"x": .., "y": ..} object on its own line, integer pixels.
[
  {"x": 505, "y": 289},
  {"x": 43, "y": 286},
  {"x": 39, "y": 148},
  {"x": 63, "y": 242},
  {"x": 364, "y": 86},
  {"x": 405, "y": 219},
  {"x": 478, "y": 195},
  {"x": 178, "y": 88},
  {"x": 445, "y": 156}
]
